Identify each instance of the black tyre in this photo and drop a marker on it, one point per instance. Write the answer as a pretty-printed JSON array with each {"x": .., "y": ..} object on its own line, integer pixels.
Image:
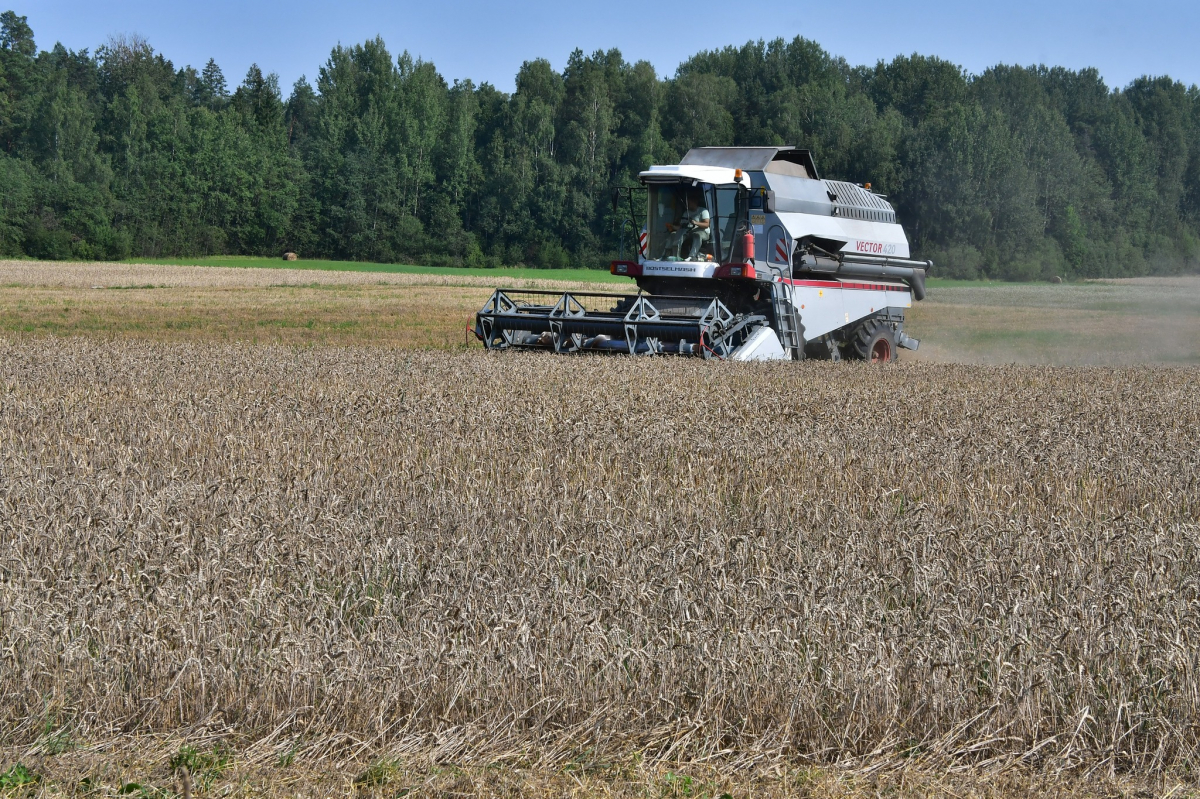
[
  {"x": 819, "y": 351},
  {"x": 874, "y": 341}
]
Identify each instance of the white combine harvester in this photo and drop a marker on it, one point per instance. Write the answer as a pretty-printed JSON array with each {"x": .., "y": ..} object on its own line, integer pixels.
[{"x": 745, "y": 254}]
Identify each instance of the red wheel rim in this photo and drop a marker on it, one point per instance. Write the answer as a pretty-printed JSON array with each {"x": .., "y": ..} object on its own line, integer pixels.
[{"x": 881, "y": 351}]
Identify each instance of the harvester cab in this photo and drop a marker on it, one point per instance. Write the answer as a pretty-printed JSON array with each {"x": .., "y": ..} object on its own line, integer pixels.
[{"x": 743, "y": 253}]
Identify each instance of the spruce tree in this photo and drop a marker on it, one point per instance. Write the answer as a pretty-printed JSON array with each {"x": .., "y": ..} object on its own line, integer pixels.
[{"x": 211, "y": 89}]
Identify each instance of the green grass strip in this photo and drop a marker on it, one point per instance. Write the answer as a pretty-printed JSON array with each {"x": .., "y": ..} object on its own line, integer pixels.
[{"x": 500, "y": 275}]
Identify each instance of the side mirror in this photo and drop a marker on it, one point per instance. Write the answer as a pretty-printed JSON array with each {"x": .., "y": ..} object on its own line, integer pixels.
[
  {"x": 768, "y": 201},
  {"x": 616, "y": 196}
]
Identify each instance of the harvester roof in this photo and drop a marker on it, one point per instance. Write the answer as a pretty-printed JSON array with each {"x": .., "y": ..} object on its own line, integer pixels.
[
  {"x": 784, "y": 160},
  {"x": 717, "y": 175}
]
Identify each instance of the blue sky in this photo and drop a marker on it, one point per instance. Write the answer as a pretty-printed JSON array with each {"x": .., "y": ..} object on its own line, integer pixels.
[{"x": 488, "y": 41}]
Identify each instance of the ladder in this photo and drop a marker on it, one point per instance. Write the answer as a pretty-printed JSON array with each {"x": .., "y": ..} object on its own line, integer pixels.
[{"x": 791, "y": 330}]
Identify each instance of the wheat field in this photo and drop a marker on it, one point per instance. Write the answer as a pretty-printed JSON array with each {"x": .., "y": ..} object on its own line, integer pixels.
[
  {"x": 369, "y": 571},
  {"x": 1097, "y": 323}
]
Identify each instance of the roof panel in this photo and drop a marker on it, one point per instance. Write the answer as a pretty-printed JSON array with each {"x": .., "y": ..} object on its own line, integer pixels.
[
  {"x": 749, "y": 158},
  {"x": 706, "y": 174}
]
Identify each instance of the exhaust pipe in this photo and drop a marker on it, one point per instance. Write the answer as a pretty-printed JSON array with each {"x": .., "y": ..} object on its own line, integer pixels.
[{"x": 911, "y": 272}]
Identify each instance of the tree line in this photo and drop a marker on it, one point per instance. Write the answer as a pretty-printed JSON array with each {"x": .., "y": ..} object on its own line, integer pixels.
[{"x": 1016, "y": 173}]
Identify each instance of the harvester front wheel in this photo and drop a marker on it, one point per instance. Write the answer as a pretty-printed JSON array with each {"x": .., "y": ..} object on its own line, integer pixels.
[{"x": 875, "y": 341}]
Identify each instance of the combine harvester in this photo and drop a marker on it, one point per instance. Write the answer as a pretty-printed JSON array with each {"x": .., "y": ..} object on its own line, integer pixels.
[{"x": 745, "y": 254}]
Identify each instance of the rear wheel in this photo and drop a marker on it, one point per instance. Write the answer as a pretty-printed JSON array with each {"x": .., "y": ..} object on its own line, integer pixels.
[{"x": 874, "y": 341}]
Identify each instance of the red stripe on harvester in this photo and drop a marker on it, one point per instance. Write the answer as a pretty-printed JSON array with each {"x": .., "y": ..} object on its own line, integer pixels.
[{"x": 829, "y": 284}]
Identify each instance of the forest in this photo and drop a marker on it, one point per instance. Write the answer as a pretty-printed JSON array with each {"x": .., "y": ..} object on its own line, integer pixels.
[{"x": 1018, "y": 173}]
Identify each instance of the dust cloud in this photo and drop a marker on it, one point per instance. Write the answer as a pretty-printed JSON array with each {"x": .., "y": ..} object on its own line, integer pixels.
[{"x": 1096, "y": 323}]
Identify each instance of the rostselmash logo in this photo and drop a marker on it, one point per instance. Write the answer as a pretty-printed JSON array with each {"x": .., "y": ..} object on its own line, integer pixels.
[
  {"x": 672, "y": 269},
  {"x": 875, "y": 248}
]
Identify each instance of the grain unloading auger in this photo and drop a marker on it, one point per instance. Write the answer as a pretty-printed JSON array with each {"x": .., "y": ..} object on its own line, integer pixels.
[{"x": 745, "y": 253}]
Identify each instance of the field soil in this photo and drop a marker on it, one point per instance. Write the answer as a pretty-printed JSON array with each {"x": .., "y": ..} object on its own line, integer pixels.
[{"x": 294, "y": 559}]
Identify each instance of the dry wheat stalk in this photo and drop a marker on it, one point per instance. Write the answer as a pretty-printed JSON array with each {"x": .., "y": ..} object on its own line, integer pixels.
[{"x": 467, "y": 557}]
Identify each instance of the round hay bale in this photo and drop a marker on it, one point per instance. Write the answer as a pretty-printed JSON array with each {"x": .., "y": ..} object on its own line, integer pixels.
[
  {"x": 290, "y": 256},
  {"x": 1056, "y": 279}
]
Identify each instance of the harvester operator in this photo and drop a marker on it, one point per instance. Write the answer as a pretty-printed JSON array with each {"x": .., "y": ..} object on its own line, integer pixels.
[{"x": 694, "y": 228}]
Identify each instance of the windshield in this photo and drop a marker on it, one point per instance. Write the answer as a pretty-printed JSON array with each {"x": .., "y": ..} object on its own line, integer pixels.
[
  {"x": 681, "y": 224},
  {"x": 731, "y": 220}
]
